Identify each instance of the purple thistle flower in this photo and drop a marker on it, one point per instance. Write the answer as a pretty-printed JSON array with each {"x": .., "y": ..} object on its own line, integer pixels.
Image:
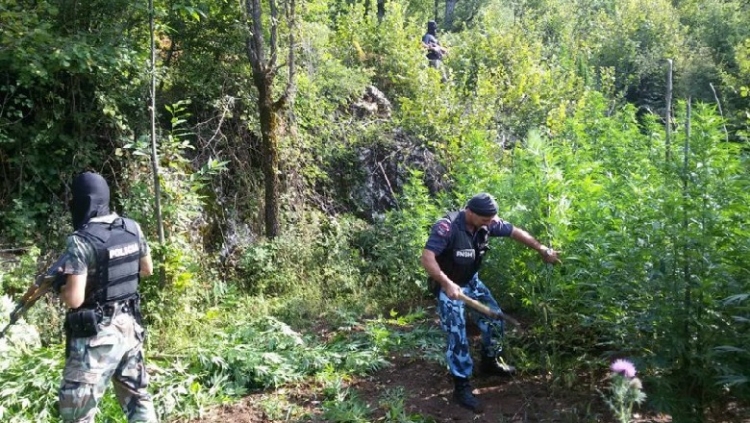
[{"x": 623, "y": 367}]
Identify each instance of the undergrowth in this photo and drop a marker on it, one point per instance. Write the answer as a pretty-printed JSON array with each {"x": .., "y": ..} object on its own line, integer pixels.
[{"x": 228, "y": 362}]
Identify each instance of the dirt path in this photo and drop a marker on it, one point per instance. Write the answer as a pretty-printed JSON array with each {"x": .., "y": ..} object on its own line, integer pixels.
[{"x": 427, "y": 390}]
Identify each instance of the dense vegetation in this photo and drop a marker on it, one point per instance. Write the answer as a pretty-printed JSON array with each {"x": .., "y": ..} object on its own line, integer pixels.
[{"x": 559, "y": 108}]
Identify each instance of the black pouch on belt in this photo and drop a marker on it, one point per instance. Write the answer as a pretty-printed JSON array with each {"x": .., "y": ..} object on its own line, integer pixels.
[{"x": 82, "y": 323}]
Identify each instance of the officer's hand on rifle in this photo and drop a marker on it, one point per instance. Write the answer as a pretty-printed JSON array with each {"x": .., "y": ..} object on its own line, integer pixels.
[
  {"x": 54, "y": 275},
  {"x": 59, "y": 280}
]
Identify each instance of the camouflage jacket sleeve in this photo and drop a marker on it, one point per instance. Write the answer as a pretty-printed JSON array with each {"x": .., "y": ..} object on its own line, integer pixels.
[{"x": 79, "y": 256}]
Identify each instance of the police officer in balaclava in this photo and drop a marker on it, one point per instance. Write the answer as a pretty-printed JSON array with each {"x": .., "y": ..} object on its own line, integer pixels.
[
  {"x": 100, "y": 271},
  {"x": 435, "y": 51}
]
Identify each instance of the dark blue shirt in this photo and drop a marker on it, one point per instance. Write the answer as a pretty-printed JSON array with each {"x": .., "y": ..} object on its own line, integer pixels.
[
  {"x": 431, "y": 40},
  {"x": 440, "y": 235}
]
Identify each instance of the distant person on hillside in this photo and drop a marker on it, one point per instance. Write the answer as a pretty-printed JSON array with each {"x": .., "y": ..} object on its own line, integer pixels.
[
  {"x": 435, "y": 51},
  {"x": 452, "y": 257},
  {"x": 98, "y": 281}
]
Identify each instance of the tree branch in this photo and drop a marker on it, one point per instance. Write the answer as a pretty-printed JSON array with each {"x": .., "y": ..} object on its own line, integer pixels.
[
  {"x": 291, "y": 18},
  {"x": 274, "y": 33},
  {"x": 290, "y": 90},
  {"x": 255, "y": 42}
]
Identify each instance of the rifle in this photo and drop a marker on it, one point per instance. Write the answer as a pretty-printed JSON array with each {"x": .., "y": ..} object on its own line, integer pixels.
[{"x": 43, "y": 284}]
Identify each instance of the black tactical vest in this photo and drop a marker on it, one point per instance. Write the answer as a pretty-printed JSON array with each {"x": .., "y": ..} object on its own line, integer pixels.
[
  {"x": 117, "y": 249},
  {"x": 462, "y": 257}
]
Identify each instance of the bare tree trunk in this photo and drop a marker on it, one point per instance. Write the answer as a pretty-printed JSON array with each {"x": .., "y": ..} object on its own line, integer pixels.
[
  {"x": 668, "y": 112},
  {"x": 270, "y": 150},
  {"x": 688, "y": 302},
  {"x": 154, "y": 157},
  {"x": 721, "y": 113},
  {"x": 379, "y": 8},
  {"x": 450, "y": 8},
  {"x": 264, "y": 72},
  {"x": 437, "y": 8}
]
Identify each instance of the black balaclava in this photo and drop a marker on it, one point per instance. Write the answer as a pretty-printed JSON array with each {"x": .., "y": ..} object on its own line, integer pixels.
[
  {"x": 432, "y": 28},
  {"x": 90, "y": 198},
  {"x": 483, "y": 205}
]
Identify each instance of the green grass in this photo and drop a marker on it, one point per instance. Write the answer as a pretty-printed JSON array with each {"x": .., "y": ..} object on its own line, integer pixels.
[{"x": 226, "y": 361}]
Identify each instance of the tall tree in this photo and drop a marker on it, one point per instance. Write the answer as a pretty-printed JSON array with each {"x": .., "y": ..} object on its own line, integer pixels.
[
  {"x": 263, "y": 60},
  {"x": 380, "y": 4},
  {"x": 450, "y": 9}
]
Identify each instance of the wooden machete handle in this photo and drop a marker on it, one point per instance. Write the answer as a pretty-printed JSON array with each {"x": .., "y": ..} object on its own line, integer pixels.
[{"x": 484, "y": 309}]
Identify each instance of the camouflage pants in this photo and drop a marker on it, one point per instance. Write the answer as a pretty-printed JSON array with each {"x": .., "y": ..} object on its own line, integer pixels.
[
  {"x": 453, "y": 321},
  {"x": 114, "y": 353}
]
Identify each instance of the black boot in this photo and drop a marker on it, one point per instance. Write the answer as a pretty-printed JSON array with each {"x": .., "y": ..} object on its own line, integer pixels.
[
  {"x": 496, "y": 366},
  {"x": 463, "y": 396}
]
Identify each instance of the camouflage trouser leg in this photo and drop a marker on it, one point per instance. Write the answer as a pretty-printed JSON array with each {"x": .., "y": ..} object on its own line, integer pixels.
[
  {"x": 438, "y": 64},
  {"x": 492, "y": 330},
  {"x": 114, "y": 353},
  {"x": 453, "y": 321}
]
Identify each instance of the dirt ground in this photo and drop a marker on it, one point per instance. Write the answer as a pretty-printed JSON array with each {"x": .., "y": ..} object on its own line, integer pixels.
[{"x": 428, "y": 391}]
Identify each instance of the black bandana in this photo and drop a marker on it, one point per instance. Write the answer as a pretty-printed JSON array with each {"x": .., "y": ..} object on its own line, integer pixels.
[{"x": 90, "y": 198}]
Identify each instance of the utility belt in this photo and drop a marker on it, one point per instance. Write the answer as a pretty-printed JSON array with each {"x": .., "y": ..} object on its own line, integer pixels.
[{"x": 84, "y": 321}]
